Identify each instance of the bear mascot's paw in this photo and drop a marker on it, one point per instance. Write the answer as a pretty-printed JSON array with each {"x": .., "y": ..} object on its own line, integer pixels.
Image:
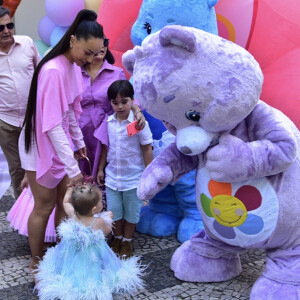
[
  {"x": 187, "y": 227},
  {"x": 191, "y": 265},
  {"x": 157, "y": 224}
]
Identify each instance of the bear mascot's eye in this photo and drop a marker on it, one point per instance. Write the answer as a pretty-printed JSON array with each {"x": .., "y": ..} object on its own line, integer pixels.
[
  {"x": 147, "y": 26},
  {"x": 192, "y": 115}
]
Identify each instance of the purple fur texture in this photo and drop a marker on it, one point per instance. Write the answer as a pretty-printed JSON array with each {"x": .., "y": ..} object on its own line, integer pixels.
[{"x": 247, "y": 182}]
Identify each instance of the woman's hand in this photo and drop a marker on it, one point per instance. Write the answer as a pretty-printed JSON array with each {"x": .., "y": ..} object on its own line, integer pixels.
[
  {"x": 141, "y": 121},
  {"x": 139, "y": 116},
  {"x": 77, "y": 179},
  {"x": 24, "y": 182},
  {"x": 81, "y": 152}
]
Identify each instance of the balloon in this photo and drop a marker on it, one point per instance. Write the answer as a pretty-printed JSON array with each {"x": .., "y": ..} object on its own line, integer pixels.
[
  {"x": 47, "y": 51},
  {"x": 41, "y": 46},
  {"x": 93, "y": 5},
  {"x": 63, "y": 12},
  {"x": 235, "y": 26},
  {"x": 57, "y": 34},
  {"x": 117, "y": 25},
  {"x": 45, "y": 29},
  {"x": 270, "y": 31},
  {"x": 12, "y": 5}
]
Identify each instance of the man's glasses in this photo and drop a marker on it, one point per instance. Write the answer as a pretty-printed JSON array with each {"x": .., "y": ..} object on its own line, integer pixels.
[
  {"x": 8, "y": 26},
  {"x": 105, "y": 43}
]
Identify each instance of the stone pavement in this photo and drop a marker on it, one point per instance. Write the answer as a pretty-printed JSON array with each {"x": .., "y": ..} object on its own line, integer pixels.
[{"x": 160, "y": 283}]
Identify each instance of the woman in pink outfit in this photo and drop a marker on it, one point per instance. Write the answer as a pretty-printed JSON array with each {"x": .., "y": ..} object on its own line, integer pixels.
[{"x": 51, "y": 127}]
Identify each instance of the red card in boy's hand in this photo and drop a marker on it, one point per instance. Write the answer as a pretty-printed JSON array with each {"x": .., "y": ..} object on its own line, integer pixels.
[{"x": 131, "y": 128}]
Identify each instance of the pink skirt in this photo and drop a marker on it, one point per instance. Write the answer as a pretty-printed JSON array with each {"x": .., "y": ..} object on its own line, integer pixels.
[{"x": 19, "y": 214}]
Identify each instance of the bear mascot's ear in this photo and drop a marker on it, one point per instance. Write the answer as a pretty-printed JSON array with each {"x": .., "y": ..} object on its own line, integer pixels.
[
  {"x": 211, "y": 3},
  {"x": 168, "y": 36},
  {"x": 128, "y": 60},
  {"x": 177, "y": 37}
]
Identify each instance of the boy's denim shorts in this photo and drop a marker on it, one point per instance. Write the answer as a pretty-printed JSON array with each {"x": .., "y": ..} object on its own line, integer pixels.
[{"x": 124, "y": 205}]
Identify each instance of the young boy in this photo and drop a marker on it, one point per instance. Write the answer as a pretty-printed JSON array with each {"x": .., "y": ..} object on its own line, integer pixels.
[{"x": 126, "y": 159}]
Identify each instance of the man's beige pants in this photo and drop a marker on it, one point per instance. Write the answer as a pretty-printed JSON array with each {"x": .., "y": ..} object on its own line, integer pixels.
[{"x": 9, "y": 137}]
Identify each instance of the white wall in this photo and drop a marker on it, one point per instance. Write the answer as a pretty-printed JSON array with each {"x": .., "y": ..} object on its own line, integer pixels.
[{"x": 27, "y": 17}]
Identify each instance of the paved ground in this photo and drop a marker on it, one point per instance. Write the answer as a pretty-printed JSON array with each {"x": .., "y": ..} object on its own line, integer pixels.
[{"x": 16, "y": 282}]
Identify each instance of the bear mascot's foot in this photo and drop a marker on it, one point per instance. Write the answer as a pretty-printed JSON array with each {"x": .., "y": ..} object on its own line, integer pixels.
[
  {"x": 157, "y": 224},
  {"x": 265, "y": 289},
  {"x": 281, "y": 277},
  {"x": 199, "y": 260},
  {"x": 188, "y": 227}
]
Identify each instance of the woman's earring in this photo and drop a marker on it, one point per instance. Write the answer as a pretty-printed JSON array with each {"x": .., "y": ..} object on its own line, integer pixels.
[{"x": 71, "y": 46}]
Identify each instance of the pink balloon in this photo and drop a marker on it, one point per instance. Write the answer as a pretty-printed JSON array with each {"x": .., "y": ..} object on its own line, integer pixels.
[
  {"x": 270, "y": 31},
  {"x": 118, "y": 32},
  {"x": 63, "y": 12},
  {"x": 45, "y": 29},
  {"x": 235, "y": 24}
]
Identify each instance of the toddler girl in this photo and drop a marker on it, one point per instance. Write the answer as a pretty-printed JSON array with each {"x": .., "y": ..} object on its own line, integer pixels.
[{"x": 82, "y": 266}]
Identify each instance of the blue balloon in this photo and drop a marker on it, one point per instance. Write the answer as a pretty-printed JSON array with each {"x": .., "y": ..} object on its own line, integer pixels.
[
  {"x": 57, "y": 34},
  {"x": 41, "y": 46}
]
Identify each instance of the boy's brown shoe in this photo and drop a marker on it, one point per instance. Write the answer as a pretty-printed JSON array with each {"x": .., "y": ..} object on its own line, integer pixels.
[
  {"x": 116, "y": 245},
  {"x": 126, "y": 249}
]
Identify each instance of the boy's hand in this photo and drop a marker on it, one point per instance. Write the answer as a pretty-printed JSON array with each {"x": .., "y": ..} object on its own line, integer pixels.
[{"x": 100, "y": 177}]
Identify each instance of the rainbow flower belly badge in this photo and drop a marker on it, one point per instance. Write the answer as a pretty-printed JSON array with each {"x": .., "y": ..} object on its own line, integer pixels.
[{"x": 241, "y": 214}]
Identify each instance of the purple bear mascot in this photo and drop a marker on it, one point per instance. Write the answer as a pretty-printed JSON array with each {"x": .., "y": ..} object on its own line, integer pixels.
[{"x": 206, "y": 90}]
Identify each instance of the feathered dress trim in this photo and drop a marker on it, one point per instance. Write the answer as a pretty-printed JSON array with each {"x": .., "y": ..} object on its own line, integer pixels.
[{"x": 83, "y": 267}]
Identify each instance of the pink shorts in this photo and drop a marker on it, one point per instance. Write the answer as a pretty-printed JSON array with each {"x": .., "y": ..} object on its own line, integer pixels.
[
  {"x": 54, "y": 175},
  {"x": 28, "y": 161}
]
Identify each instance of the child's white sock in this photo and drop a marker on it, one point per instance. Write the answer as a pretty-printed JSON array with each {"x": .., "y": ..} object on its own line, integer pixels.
[
  {"x": 126, "y": 240},
  {"x": 119, "y": 237}
]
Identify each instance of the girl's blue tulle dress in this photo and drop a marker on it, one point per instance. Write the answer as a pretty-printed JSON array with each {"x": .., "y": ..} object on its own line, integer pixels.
[{"x": 82, "y": 266}]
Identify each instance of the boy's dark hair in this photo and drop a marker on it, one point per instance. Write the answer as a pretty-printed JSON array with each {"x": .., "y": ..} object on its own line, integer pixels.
[
  {"x": 120, "y": 87},
  {"x": 85, "y": 197},
  {"x": 4, "y": 11}
]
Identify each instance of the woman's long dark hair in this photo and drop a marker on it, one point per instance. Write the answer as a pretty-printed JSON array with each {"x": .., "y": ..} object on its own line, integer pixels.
[{"x": 83, "y": 27}]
